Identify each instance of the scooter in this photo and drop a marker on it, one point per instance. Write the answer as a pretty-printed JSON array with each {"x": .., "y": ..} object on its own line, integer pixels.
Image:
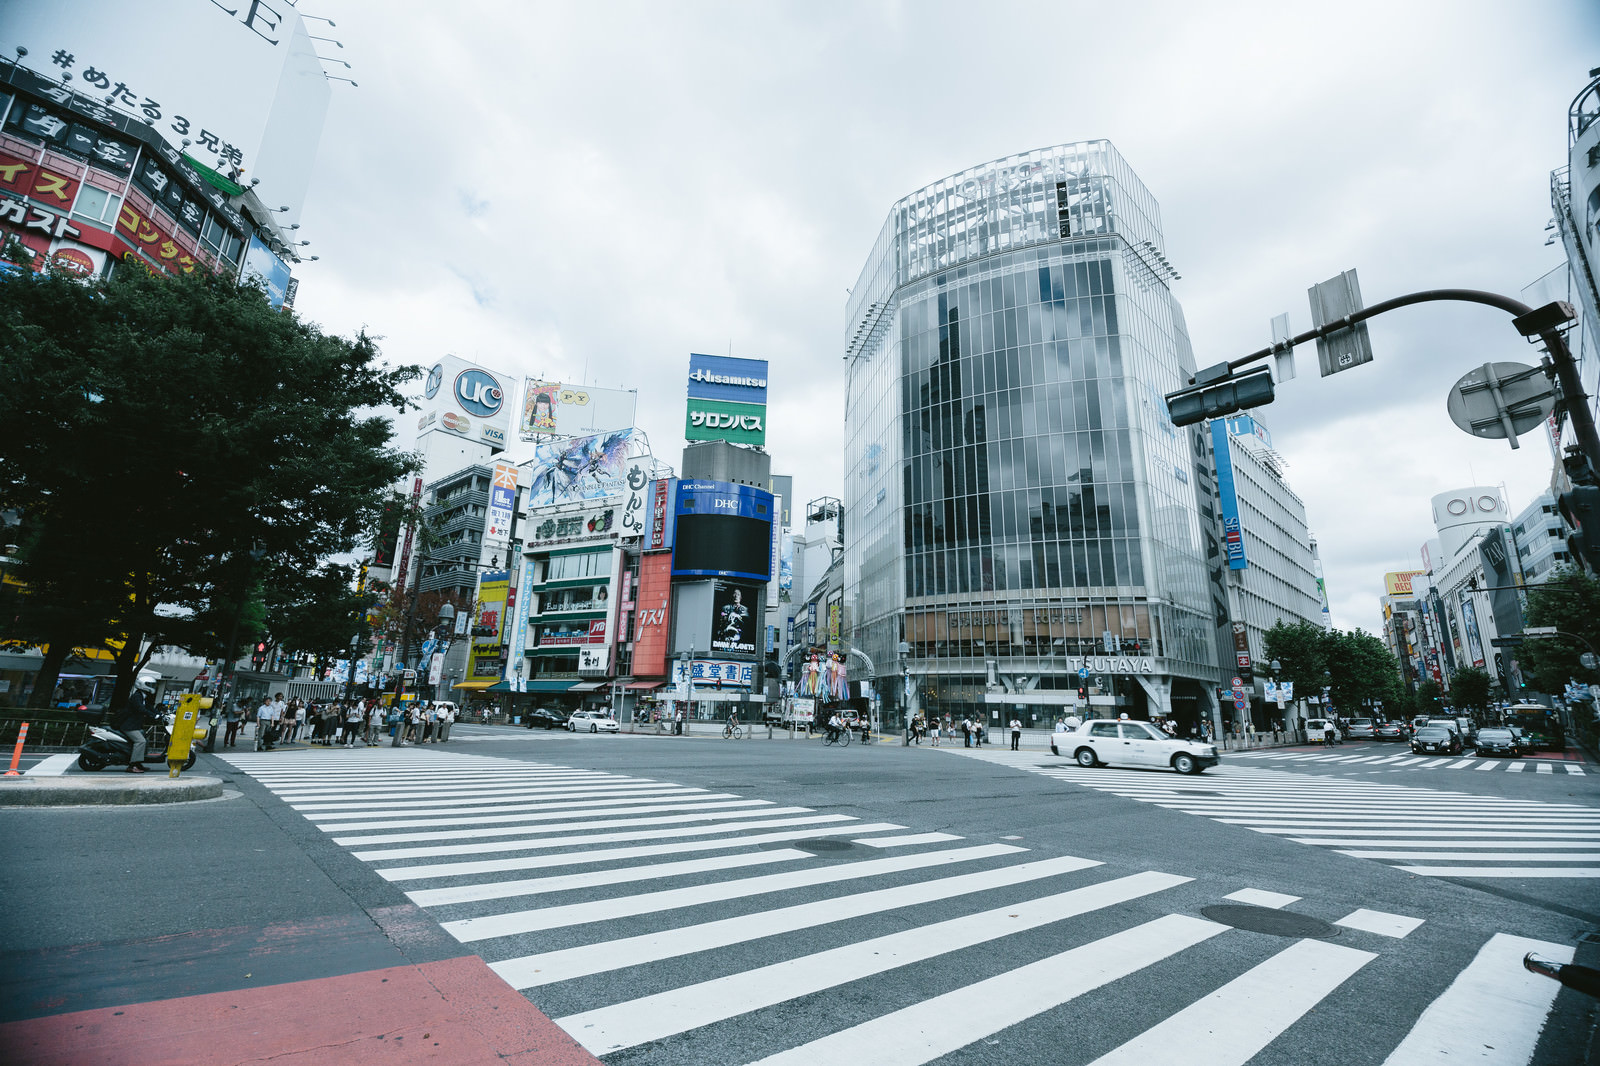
[{"x": 107, "y": 747}]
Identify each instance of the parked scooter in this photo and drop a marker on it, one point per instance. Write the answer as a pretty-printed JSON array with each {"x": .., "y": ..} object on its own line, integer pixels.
[{"x": 107, "y": 747}]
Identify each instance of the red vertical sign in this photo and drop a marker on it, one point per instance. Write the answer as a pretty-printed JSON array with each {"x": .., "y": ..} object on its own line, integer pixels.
[
  {"x": 405, "y": 552},
  {"x": 650, "y": 632}
]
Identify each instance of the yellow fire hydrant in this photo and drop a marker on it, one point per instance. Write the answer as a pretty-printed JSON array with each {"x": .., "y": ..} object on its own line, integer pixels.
[{"x": 187, "y": 728}]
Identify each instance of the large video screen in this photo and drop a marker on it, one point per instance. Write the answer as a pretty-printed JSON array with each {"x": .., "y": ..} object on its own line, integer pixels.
[{"x": 723, "y": 546}]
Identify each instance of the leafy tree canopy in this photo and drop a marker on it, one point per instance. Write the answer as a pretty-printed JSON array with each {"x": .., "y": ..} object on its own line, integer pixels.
[
  {"x": 1569, "y": 600},
  {"x": 1469, "y": 688},
  {"x": 153, "y": 431}
]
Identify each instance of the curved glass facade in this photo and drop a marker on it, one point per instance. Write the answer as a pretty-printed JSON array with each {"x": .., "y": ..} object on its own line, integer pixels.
[{"x": 1016, "y": 499}]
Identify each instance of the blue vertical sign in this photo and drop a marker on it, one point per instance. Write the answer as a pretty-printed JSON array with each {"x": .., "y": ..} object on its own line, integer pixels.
[{"x": 1232, "y": 531}]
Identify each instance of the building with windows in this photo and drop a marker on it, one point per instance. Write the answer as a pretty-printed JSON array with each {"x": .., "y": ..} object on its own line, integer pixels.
[
  {"x": 1019, "y": 509},
  {"x": 1541, "y": 539}
]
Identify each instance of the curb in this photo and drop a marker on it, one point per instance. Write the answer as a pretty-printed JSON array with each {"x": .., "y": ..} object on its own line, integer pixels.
[{"x": 77, "y": 791}]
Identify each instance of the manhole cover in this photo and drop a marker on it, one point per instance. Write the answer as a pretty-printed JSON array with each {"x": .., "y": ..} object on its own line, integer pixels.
[
  {"x": 1269, "y": 921},
  {"x": 823, "y": 845}
]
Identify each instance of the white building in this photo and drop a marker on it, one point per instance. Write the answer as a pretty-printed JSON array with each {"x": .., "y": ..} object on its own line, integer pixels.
[{"x": 1473, "y": 576}]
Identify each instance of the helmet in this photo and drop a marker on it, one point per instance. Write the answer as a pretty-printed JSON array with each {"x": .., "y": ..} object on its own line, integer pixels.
[{"x": 144, "y": 685}]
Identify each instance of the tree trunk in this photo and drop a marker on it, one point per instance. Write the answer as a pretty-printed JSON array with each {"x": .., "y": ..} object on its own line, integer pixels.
[
  {"x": 44, "y": 682},
  {"x": 127, "y": 668}
]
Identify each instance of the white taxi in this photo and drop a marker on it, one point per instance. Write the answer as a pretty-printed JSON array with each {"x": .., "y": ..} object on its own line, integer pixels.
[
  {"x": 1125, "y": 742},
  {"x": 589, "y": 721}
]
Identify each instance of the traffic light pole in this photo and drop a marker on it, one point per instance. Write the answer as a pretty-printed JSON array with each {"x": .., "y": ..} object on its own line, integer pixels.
[{"x": 1543, "y": 322}]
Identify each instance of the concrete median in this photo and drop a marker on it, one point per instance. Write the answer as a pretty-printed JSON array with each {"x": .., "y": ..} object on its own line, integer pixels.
[{"x": 120, "y": 789}]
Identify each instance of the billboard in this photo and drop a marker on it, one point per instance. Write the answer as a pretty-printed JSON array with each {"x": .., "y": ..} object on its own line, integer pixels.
[
  {"x": 651, "y": 614},
  {"x": 488, "y": 625},
  {"x": 466, "y": 400},
  {"x": 264, "y": 121},
  {"x": 661, "y": 507},
  {"x": 733, "y": 621},
  {"x": 502, "y": 502},
  {"x": 723, "y": 530},
  {"x": 1495, "y": 552},
  {"x": 597, "y": 521},
  {"x": 560, "y": 409},
  {"x": 1398, "y": 583},
  {"x": 1232, "y": 530},
  {"x": 263, "y": 267},
  {"x": 582, "y": 468},
  {"x": 727, "y": 399},
  {"x": 740, "y": 423}
]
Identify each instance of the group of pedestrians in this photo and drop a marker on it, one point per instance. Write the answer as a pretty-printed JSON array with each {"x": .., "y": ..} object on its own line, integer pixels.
[{"x": 337, "y": 723}]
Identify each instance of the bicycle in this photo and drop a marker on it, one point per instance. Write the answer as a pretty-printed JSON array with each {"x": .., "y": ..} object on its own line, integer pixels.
[
  {"x": 842, "y": 738},
  {"x": 732, "y": 732}
]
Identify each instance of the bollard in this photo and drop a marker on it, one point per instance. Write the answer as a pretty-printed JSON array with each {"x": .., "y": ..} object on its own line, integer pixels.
[{"x": 16, "y": 754}]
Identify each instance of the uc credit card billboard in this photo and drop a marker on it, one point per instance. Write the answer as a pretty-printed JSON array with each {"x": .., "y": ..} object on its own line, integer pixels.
[{"x": 727, "y": 399}]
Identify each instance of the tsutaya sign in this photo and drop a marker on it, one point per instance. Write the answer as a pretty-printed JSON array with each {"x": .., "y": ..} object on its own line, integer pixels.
[{"x": 1112, "y": 664}]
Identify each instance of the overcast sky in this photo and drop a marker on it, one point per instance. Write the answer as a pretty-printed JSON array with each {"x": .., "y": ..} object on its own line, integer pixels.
[{"x": 592, "y": 191}]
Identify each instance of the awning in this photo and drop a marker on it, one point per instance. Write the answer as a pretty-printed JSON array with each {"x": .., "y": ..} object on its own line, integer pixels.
[
  {"x": 474, "y": 686},
  {"x": 645, "y": 686},
  {"x": 531, "y": 686},
  {"x": 588, "y": 686}
]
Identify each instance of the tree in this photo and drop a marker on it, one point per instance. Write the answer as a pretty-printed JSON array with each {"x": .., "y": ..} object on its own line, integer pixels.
[
  {"x": 1361, "y": 668},
  {"x": 1301, "y": 655},
  {"x": 154, "y": 431},
  {"x": 1430, "y": 697},
  {"x": 1569, "y": 600},
  {"x": 1469, "y": 688}
]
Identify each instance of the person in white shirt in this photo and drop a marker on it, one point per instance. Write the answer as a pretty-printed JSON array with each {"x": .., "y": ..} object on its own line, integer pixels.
[
  {"x": 1016, "y": 733},
  {"x": 266, "y": 714},
  {"x": 446, "y": 718}
]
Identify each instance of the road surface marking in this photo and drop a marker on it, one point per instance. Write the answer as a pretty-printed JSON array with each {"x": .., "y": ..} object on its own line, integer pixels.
[
  {"x": 1397, "y": 926},
  {"x": 1259, "y": 898},
  {"x": 907, "y": 840}
]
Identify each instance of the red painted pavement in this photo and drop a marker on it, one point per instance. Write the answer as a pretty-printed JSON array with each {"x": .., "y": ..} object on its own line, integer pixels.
[{"x": 456, "y": 1011}]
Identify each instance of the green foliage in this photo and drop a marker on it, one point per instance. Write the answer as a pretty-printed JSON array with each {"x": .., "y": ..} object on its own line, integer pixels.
[
  {"x": 1569, "y": 600},
  {"x": 1355, "y": 665},
  {"x": 154, "y": 430},
  {"x": 1470, "y": 688},
  {"x": 1298, "y": 648},
  {"x": 1430, "y": 697}
]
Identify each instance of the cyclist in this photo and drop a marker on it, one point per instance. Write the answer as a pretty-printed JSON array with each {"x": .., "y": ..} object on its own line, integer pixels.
[
  {"x": 835, "y": 724},
  {"x": 732, "y": 729}
]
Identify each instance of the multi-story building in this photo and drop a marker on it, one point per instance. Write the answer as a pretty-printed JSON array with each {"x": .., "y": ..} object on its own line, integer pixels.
[
  {"x": 1540, "y": 538},
  {"x": 1018, "y": 507}
]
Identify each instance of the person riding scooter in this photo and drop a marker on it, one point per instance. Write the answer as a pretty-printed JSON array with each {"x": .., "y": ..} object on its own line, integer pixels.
[{"x": 136, "y": 713}]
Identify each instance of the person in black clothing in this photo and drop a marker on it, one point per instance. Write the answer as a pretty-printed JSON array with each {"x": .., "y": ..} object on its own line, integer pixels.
[{"x": 136, "y": 714}]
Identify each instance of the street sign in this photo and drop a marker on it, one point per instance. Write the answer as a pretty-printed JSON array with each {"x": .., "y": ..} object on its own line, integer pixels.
[
  {"x": 1339, "y": 297},
  {"x": 1540, "y": 631},
  {"x": 1083, "y": 674},
  {"x": 1505, "y": 642},
  {"x": 410, "y": 676},
  {"x": 1237, "y": 683},
  {"x": 1501, "y": 400}
]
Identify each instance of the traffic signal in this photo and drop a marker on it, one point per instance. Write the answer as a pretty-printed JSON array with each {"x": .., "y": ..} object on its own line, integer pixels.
[
  {"x": 1580, "y": 509},
  {"x": 1217, "y": 392}
]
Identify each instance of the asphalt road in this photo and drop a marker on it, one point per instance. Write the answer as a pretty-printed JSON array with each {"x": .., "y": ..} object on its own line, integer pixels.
[{"x": 672, "y": 900}]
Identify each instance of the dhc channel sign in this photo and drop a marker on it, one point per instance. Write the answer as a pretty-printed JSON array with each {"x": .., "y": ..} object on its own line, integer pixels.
[{"x": 479, "y": 393}]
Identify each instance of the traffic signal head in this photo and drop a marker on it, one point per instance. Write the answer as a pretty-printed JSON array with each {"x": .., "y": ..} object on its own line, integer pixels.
[
  {"x": 1215, "y": 399},
  {"x": 1580, "y": 510}
]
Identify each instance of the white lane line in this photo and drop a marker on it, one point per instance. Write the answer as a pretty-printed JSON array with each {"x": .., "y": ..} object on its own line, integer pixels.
[
  {"x": 1486, "y": 845},
  {"x": 1477, "y": 821},
  {"x": 1462, "y": 763},
  {"x": 1543, "y": 768},
  {"x": 505, "y": 819},
  {"x": 581, "y": 802},
  {"x": 947, "y": 1023},
  {"x": 1261, "y": 898},
  {"x": 1509, "y": 871},
  {"x": 1481, "y": 856},
  {"x": 1451, "y": 834},
  {"x": 1231, "y": 1025},
  {"x": 363, "y": 784},
  {"x": 1398, "y": 926},
  {"x": 535, "y": 840},
  {"x": 407, "y": 800},
  {"x": 1573, "y": 768},
  {"x": 534, "y": 886},
  {"x": 470, "y": 930},
  {"x": 907, "y": 840},
  {"x": 576, "y": 858},
  {"x": 570, "y": 827},
  {"x": 1492, "y": 1012},
  {"x": 553, "y": 967},
  {"x": 1515, "y": 768},
  {"x": 678, "y": 1010},
  {"x": 51, "y": 766}
]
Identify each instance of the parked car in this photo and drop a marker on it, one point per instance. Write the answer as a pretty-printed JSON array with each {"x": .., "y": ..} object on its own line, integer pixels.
[
  {"x": 1436, "y": 740},
  {"x": 544, "y": 719},
  {"x": 1361, "y": 729},
  {"x": 1497, "y": 740},
  {"x": 1389, "y": 731},
  {"x": 592, "y": 722},
  {"x": 1317, "y": 730},
  {"x": 1129, "y": 743}
]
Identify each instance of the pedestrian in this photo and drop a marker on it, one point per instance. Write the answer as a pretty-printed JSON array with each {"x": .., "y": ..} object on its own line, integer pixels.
[
  {"x": 231, "y": 718},
  {"x": 936, "y": 732},
  {"x": 1016, "y": 734},
  {"x": 266, "y": 715},
  {"x": 374, "y": 721},
  {"x": 447, "y": 718},
  {"x": 966, "y": 732},
  {"x": 352, "y": 724},
  {"x": 291, "y": 719}
]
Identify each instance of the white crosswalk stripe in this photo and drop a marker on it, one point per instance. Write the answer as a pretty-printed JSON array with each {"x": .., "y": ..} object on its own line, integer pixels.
[
  {"x": 1402, "y": 762},
  {"x": 635, "y": 972}
]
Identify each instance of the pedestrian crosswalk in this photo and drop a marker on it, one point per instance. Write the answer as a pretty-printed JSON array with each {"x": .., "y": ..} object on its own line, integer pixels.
[
  {"x": 1421, "y": 830},
  {"x": 665, "y": 923},
  {"x": 1388, "y": 760}
]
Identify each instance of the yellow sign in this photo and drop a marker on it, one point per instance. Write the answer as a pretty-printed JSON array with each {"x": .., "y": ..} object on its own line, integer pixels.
[{"x": 1398, "y": 583}]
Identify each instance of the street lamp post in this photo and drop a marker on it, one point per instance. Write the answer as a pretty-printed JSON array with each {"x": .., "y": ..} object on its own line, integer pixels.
[{"x": 686, "y": 660}]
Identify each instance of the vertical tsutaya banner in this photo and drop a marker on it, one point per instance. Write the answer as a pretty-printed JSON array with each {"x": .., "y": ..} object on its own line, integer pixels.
[
  {"x": 502, "y": 502},
  {"x": 1232, "y": 531}
]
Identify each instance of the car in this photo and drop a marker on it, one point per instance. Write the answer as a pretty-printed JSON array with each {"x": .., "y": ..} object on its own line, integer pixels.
[
  {"x": 1436, "y": 740},
  {"x": 544, "y": 719},
  {"x": 1129, "y": 743},
  {"x": 1497, "y": 740},
  {"x": 1389, "y": 731},
  {"x": 1317, "y": 730},
  {"x": 592, "y": 722},
  {"x": 1361, "y": 729}
]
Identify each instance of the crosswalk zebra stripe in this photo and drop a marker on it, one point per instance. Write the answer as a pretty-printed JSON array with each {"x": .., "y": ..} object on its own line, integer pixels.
[
  {"x": 1515, "y": 768},
  {"x": 570, "y": 827},
  {"x": 1398, "y": 926},
  {"x": 616, "y": 875},
  {"x": 1509, "y": 871},
  {"x": 1479, "y": 856},
  {"x": 409, "y": 800},
  {"x": 567, "y": 803},
  {"x": 1573, "y": 768},
  {"x": 571, "y": 858},
  {"x": 1543, "y": 768},
  {"x": 470, "y": 930},
  {"x": 566, "y": 964},
  {"x": 637, "y": 1021},
  {"x": 504, "y": 819},
  {"x": 1492, "y": 1012},
  {"x": 1459, "y": 765},
  {"x": 1259, "y": 898},
  {"x": 906, "y": 840},
  {"x": 938, "y": 1026},
  {"x": 538, "y": 842},
  {"x": 1231, "y": 1025}
]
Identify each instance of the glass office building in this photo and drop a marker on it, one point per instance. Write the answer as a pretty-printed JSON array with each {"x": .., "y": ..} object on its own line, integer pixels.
[{"x": 1021, "y": 516}]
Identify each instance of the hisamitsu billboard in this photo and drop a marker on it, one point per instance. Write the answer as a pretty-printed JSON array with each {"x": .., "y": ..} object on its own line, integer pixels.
[{"x": 722, "y": 377}]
